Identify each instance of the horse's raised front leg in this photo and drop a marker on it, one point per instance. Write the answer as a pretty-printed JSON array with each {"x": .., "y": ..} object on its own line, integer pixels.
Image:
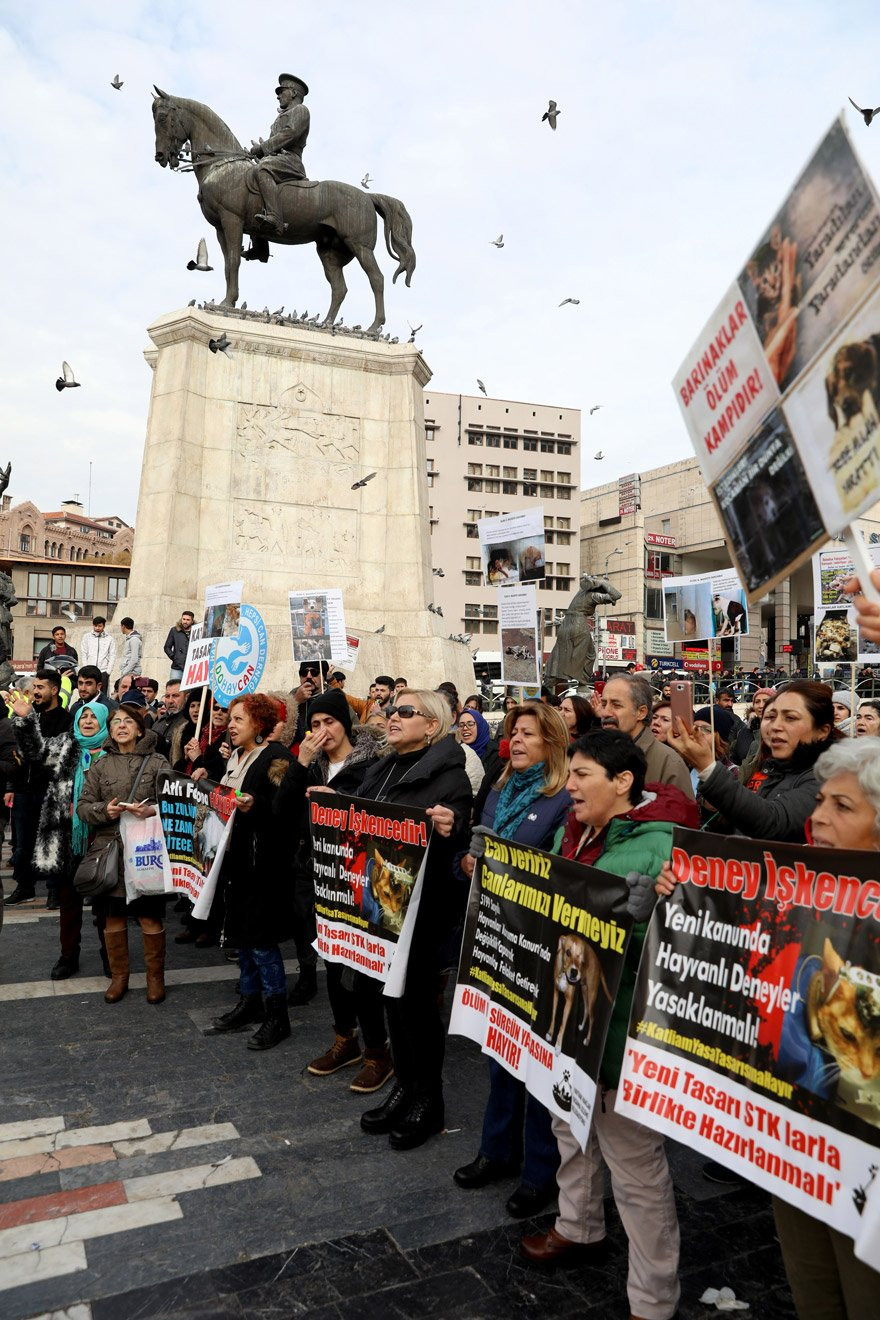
[
  {"x": 366, "y": 257},
  {"x": 229, "y": 232}
]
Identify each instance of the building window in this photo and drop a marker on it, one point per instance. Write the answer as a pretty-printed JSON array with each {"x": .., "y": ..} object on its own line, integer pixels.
[
  {"x": 493, "y": 487},
  {"x": 490, "y": 611},
  {"x": 474, "y": 438},
  {"x": 511, "y": 442},
  {"x": 562, "y": 448},
  {"x": 546, "y": 474},
  {"x": 60, "y": 586},
  {"x": 493, "y": 441},
  {"x": 653, "y": 602},
  {"x": 549, "y": 535},
  {"x": 530, "y": 474},
  {"x": 490, "y": 626},
  {"x": 563, "y": 493},
  {"x": 564, "y": 478},
  {"x": 429, "y": 432},
  {"x": 563, "y": 522},
  {"x": 508, "y": 472},
  {"x": 471, "y": 530},
  {"x": 563, "y": 538},
  {"x": 546, "y": 492},
  {"x": 563, "y": 584},
  {"x": 666, "y": 526},
  {"x": 529, "y": 490},
  {"x": 116, "y": 588},
  {"x": 508, "y": 487},
  {"x": 493, "y": 470},
  {"x": 530, "y": 445},
  {"x": 473, "y": 563},
  {"x": 474, "y": 484},
  {"x": 83, "y": 588},
  {"x": 564, "y": 569},
  {"x": 475, "y": 469},
  {"x": 548, "y": 447},
  {"x": 472, "y": 579}
]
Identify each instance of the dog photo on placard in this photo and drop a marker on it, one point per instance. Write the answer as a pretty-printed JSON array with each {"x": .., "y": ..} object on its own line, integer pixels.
[{"x": 573, "y": 992}]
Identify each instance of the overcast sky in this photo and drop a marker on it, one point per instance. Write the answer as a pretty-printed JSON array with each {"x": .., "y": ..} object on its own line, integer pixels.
[{"x": 682, "y": 127}]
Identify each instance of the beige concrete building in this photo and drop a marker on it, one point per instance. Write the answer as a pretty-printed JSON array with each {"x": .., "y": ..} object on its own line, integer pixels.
[
  {"x": 661, "y": 523},
  {"x": 492, "y": 456},
  {"x": 66, "y": 568}
]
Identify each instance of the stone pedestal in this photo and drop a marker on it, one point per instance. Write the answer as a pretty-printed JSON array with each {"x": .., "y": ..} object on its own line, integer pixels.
[{"x": 248, "y": 470}]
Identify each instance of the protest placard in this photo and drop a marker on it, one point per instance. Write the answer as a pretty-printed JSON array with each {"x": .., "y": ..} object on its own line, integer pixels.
[
  {"x": 756, "y": 1018},
  {"x": 352, "y": 646},
  {"x": 368, "y": 862},
  {"x": 222, "y": 609},
  {"x": 197, "y": 669},
  {"x": 541, "y": 958},
  {"x": 703, "y": 606},
  {"x": 520, "y": 642},
  {"x": 786, "y": 429},
  {"x": 836, "y": 637},
  {"x": 317, "y": 625},
  {"x": 197, "y": 822},
  {"x": 513, "y": 547},
  {"x": 238, "y": 662}
]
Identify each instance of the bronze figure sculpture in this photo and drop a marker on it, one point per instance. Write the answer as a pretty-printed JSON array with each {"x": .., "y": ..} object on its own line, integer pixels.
[
  {"x": 574, "y": 655},
  {"x": 274, "y": 200},
  {"x": 8, "y": 598}
]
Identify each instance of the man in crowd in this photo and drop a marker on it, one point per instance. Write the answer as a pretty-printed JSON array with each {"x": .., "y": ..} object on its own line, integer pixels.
[
  {"x": 383, "y": 688},
  {"x": 313, "y": 677},
  {"x": 626, "y": 704},
  {"x": 150, "y": 689},
  {"x": 177, "y": 643},
  {"x": 88, "y": 686},
  {"x": 741, "y": 735},
  {"x": 399, "y": 685},
  {"x": 57, "y": 654},
  {"x": 132, "y": 649},
  {"x": 98, "y": 648},
  {"x": 358, "y": 704},
  {"x": 172, "y": 721},
  {"x": 28, "y": 796}
]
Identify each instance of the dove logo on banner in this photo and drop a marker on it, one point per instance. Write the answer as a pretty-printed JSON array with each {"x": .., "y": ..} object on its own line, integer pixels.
[{"x": 239, "y": 661}]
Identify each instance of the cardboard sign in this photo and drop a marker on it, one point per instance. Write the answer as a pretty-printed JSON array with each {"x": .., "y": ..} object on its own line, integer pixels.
[
  {"x": 317, "y": 625},
  {"x": 703, "y": 606},
  {"x": 222, "y": 609},
  {"x": 197, "y": 822},
  {"x": 520, "y": 643},
  {"x": 197, "y": 670},
  {"x": 513, "y": 547}
]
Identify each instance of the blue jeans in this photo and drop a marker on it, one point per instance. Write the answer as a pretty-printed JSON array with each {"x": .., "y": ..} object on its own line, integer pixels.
[
  {"x": 262, "y": 970},
  {"x": 504, "y": 1134}
]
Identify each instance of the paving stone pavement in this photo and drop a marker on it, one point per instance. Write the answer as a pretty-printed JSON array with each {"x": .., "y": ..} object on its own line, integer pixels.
[{"x": 148, "y": 1169}]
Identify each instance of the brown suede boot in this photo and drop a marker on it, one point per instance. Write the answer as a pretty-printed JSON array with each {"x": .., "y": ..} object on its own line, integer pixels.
[
  {"x": 376, "y": 1071},
  {"x": 116, "y": 942},
  {"x": 154, "y": 960}
]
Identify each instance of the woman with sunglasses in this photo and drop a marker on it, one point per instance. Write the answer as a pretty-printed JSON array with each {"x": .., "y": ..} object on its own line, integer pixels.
[
  {"x": 526, "y": 804},
  {"x": 129, "y": 755},
  {"x": 425, "y": 768}
]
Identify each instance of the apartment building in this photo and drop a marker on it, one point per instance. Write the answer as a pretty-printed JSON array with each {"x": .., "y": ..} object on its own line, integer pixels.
[
  {"x": 493, "y": 456},
  {"x": 661, "y": 523}
]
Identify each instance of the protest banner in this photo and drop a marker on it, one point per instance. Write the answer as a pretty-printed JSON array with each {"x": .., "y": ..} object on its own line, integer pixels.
[
  {"x": 520, "y": 643},
  {"x": 238, "y": 662},
  {"x": 317, "y": 625},
  {"x": 541, "y": 957},
  {"x": 222, "y": 609},
  {"x": 197, "y": 669},
  {"x": 368, "y": 862},
  {"x": 755, "y": 1021},
  {"x": 836, "y": 638},
  {"x": 786, "y": 429},
  {"x": 702, "y": 606},
  {"x": 197, "y": 822},
  {"x": 513, "y": 547}
]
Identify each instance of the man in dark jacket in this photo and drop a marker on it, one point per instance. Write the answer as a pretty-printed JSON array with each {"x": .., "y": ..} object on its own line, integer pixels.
[
  {"x": 177, "y": 643},
  {"x": 88, "y": 686},
  {"x": 28, "y": 797},
  {"x": 57, "y": 654}
]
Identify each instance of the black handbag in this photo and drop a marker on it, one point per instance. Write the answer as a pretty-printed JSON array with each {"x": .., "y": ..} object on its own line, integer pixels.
[{"x": 98, "y": 872}]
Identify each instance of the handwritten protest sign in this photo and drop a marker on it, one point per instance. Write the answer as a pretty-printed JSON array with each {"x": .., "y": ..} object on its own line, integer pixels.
[
  {"x": 756, "y": 1018},
  {"x": 541, "y": 959},
  {"x": 368, "y": 860},
  {"x": 513, "y": 547},
  {"x": 782, "y": 417},
  {"x": 197, "y": 822},
  {"x": 197, "y": 669}
]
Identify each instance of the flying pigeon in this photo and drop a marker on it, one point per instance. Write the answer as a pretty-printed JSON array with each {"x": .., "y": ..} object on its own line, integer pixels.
[
  {"x": 66, "y": 381},
  {"x": 598, "y": 457},
  {"x": 436, "y": 609},
  {"x": 358, "y": 485},
  {"x": 551, "y": 114},
  {"x": 220, "y": 345},
  {"x": 415, "y": 330},
  {"x": 438, "y": 572},
  {"x": 481, "y": 387},
  {"x": 498, "y": 242},
  {"x": 381, "y": 630},
  {"x": 575, "y": 302},
  {"x": 595, "y": 408},
  {"x": 867, "y": 115},
  {"x": 201, "y": 261},
  {"x": 117, "y": 82},
  {"x": 366, "y": 180}
]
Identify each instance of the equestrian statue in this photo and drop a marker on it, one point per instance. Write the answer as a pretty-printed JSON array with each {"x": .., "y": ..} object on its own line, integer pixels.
[
  {"x": 263, "y": 192},
  {"x": 574, "y": 656}
]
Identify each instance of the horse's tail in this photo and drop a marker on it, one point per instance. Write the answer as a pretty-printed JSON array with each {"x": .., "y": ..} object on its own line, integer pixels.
[{"x": 398, "y": 233}]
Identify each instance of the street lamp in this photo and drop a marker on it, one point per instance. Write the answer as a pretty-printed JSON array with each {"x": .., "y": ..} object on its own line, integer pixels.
[{"x": 617, "y": 551}]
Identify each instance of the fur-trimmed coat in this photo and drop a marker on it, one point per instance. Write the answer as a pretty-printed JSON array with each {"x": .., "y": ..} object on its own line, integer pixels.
[
  {"x": 57, "y": 756},
  {"x": 257, "y": 874}
]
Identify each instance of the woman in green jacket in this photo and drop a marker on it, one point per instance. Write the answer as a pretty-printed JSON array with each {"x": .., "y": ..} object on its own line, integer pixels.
[{"x": 621, "y": 825}]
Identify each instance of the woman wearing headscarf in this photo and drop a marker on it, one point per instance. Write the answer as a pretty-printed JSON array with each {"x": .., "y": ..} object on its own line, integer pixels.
[
  {"x": 527, "y": 804},
  {"x": 130, "y": 760},
  {"x": 62, "y": 838},
  {"x": 425, "y": 768},
  {"x": 256, "y": 877}
]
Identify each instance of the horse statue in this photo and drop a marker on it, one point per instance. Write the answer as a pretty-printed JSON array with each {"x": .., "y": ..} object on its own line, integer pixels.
[
  {"x": 337, "y": 217},
  {"x": 574, "y": 655}
]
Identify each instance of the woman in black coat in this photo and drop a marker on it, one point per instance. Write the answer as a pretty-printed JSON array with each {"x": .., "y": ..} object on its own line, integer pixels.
[
  {"x": 255, "y": 879},
  {"x": 425, "y": 769},
  {"x": 334, "y": 757}
]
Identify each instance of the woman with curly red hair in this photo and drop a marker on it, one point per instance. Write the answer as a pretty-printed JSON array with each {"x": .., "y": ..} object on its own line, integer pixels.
[{"x": 255, "y": 879}]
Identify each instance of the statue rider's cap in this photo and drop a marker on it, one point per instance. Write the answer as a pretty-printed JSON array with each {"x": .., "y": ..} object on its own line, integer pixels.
[{"x": 291, "y": 80}]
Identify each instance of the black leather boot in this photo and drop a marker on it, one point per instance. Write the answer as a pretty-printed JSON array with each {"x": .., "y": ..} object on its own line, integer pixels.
[
  {"x": 424, "y": 1118},
  {"x": 276, "y": 1025},
  {"x": 383, "y": 1119},
  {"x": 248, "y": 1009},
  {"x": 305, "y": 987}
]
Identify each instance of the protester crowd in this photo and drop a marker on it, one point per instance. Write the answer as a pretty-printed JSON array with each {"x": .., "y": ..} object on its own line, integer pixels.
[{"x": 600, "y": 780}]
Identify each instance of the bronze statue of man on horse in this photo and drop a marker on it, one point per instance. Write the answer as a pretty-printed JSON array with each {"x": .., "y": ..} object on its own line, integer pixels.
[{"x": 274, "y": 200}]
